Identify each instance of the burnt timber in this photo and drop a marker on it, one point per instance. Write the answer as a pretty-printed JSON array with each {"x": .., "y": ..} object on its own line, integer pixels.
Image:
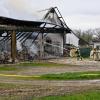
[
  {"x": 14, "y": 26},
  {"x": 10, "y": 24}
]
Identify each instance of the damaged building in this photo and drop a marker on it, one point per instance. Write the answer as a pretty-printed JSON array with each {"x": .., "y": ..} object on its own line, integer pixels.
[{"x": 23, "y": 40}]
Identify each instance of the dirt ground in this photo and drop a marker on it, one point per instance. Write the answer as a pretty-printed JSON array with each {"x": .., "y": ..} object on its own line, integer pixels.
[
  {"x": 45, "y": 87},
  {"x": 74, "y": 61},
  {"x": 71, "y": 65}
]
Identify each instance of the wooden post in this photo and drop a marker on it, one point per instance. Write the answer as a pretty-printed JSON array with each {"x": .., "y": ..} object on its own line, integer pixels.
[
  {"x": 64, "y": 42},
  {"x": 41, "y": 46},
  {"x": 13, "y": 46}
]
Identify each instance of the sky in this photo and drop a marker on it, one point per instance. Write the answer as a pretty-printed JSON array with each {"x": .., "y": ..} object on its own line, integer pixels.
[{"x": 78, "y": 14}]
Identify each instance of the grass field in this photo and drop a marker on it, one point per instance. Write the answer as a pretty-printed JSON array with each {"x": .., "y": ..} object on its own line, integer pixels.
[
  {"x": 30, "y": 64},
  {"x": 5, "y": 72},
  {"x": 91, "y": 95},
  {"x": 72, "y": 76},
  {"x": 62, "y": 76},
  {"x": 42, "y": 64}
]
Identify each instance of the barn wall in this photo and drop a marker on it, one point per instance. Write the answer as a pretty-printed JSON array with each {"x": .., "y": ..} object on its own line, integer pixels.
[{"x": 57, "y": 41}]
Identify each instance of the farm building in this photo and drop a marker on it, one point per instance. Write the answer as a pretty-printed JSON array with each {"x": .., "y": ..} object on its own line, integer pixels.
[{"x": 33, "y": 38}]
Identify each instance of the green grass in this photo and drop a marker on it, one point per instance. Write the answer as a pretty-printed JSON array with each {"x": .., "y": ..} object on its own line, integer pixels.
[
  {"x": 14, "y": 67},
  {"x": 62, "y": 76},
  {"x": 33, "y": 64},
  {"x": 72, "y": 76},
  {"x": 8, "y": 68},
  {"x": 41, "y": 64},
  {"x": 91, "y": 95}
]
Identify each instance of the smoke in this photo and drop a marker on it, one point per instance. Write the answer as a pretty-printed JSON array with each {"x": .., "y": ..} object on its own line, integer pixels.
[
  {"x": 20, "y": 9},
  {"x": 20, "y": 5},
  {"x": 19, "y": 46},
  {"x": 3, "y": 9}
]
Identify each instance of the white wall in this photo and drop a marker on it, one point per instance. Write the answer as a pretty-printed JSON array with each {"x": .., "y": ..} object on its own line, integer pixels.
[
  {"x": 56, "y": 37},
  {"x": 72, "y": 39}
]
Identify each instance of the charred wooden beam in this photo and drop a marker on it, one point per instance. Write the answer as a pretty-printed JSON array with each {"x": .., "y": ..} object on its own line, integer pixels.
[
  {"x": 24, "y": 37},
  {"x": 20, "y": 35},
  {"x": 35, "y": 38},
  {"x": 34, "y": 29},
  {"x": 29, "y": 35},
  {"x": 17, "y": 22},
  {"x": 5, "y": 38}
]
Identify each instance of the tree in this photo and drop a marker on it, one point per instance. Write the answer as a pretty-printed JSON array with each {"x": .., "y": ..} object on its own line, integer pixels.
[{"x": 85, "y": 35}]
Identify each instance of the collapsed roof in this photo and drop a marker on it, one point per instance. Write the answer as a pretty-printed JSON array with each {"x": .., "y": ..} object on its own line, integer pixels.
[{"x": 50, "y": 22}]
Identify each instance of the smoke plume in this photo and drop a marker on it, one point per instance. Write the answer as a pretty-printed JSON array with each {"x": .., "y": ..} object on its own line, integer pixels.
[{"x": 21, "y": 9}]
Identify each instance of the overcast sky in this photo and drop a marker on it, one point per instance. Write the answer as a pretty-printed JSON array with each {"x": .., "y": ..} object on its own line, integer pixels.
[{"x": 78, "y": 14}]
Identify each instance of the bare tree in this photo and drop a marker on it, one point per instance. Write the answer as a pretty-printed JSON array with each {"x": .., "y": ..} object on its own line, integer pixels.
[{"x": 85, "y": 35}]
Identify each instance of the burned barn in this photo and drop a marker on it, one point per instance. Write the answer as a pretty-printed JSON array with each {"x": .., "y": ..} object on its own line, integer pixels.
[{"x": 23, "y": 40}]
